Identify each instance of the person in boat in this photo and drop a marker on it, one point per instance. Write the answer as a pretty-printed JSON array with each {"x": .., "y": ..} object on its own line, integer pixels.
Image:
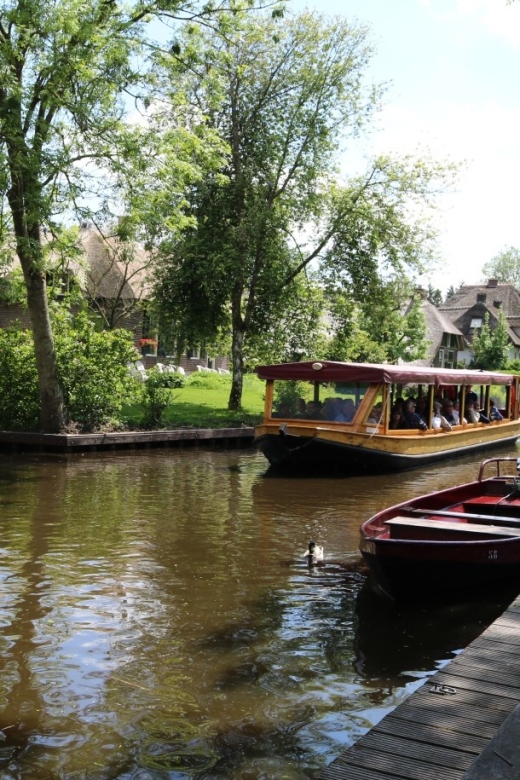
[
  {"x": 421, "y": 409},
  {"x": 396, "y": 417},
  {"x": 313, "y": 409},
  {"x": 494, "y": 414},
  {"x": 346, "y": 412},
  {"x": 474, "y": 413},
  {"x": 439, "y": 422},
  {"x": 410, "y": 417},
  {"x": 376, "y": 414},
  {"x": 449, "y": 412}
]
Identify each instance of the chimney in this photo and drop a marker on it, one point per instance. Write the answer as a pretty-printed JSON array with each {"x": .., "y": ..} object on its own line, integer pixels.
[{"x": 492, "y": 283}]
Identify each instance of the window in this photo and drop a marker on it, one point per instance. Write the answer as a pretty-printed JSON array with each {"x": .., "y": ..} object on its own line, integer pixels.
[{"x": 476, "y": 322}]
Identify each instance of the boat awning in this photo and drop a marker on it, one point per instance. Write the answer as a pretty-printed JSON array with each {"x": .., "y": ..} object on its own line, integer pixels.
[{"x": 333, "y": 371}]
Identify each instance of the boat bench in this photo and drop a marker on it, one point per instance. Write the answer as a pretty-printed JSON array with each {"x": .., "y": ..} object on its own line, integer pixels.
[
  {"x": 501, "y": 519},
  {"x": 449, "y": 526}
]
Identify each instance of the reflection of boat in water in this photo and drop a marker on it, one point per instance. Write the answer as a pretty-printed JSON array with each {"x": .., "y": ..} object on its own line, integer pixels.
[
  {"x": 360, "y": 435},
  {"x": 391, "y": 639},
  {"x": 452, "y": 540}
]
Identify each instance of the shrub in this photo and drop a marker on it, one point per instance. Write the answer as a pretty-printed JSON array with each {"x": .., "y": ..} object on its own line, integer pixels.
[
  {"x": 93, "y": 370},
  {"x": 158, "y": 394},
  {"x": 20, "y": 407},
  {"x": 209, "y": 380}
]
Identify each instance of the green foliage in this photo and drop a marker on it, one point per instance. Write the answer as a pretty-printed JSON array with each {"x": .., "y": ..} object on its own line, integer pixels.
[
  {"x": 158, "y": 393},
  {"x": 287, "y": 394},
  {"x": 93, "y": 368},
  {"x": 283, "y": 97},
  {"x": 209, "y": 380},
  {"x": 504, "y": 266},
  {"x": 387, "y": 325},
  {"x": 490, "y": 347},
  {"x": 434, "y": 295},
  {"x": 20, "y": 407}
]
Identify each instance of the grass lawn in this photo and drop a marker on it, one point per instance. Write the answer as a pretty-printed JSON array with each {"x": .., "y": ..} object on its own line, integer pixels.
[{"x": 203, "y": 404}]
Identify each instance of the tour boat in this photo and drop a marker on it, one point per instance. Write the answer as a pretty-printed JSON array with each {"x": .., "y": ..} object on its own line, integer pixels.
[
  {"x": 300, "y": 396},
  {"x": 463, "y": 538}
]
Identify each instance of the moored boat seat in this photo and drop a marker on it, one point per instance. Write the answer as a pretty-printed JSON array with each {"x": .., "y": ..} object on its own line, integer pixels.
[{"x": 439, "y": 527}]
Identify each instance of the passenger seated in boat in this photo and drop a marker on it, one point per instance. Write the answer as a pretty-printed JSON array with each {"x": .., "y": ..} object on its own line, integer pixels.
[
  {"x": 421, "y": 410},
  {"x": 330, "y": 409},
  {"x": 347, "y": 410},
  {"x": 439, "y": 422},
  {"x": 284, "y": 410},
  {"x": 410, "y": 417},
  {"x": 474, "y": 413},
  {"x": 494, "y": 414},
  {"x": 301, "y": 407},
  {"x": 376, "y": 414},
  {"x": 448, "y": 412},
  {"x": 313, "y": 410},
  {"x": 396, "y": 417}
]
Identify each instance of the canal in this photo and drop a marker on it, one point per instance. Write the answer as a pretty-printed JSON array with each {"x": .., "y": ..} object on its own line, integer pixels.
[{"x": 158, "y": 621}]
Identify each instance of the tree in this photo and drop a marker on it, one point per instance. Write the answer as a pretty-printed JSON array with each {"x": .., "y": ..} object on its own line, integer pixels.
[
  {"x": 490, "y": 347},
  {"x": 386, "y": 326},
  {"x": 64, "y": 68},
  {"x": 434, "y": 295},
  {"x": 504, "y": 266},
  {"x": 282, "y": 97}
]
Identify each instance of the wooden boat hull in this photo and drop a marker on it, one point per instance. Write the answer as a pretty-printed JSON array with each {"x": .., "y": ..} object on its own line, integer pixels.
[
  {"x": 458, "y": 539},
  {"x": 294, "y": 447},
  {"x": 407, "y": 574}
]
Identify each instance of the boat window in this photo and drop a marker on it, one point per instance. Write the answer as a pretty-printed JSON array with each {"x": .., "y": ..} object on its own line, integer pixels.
[{"x": 317, "y": 400}]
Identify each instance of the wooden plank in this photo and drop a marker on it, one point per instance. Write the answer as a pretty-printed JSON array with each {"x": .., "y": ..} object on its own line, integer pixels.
[
  {"x": 450, "y": 757},
  {"x": 477, "y": 518},
  {"x": 431, "y": 734},
  {"x": 445, "y": 525},
  {"x": 392, "y": 765},
  {"x": 482, "y": 723}
]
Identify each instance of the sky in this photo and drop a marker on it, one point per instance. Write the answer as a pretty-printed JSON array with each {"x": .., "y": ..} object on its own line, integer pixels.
[{"x": 454, "y": 92}]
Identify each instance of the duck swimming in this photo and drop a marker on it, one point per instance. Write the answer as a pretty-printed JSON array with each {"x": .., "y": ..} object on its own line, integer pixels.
[{"x": 314, "y": 554}]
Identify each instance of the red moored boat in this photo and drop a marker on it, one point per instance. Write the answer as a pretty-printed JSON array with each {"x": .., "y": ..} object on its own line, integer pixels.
[{"x": 465, "y": 537}]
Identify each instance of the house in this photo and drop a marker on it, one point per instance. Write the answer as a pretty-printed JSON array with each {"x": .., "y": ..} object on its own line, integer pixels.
[
  {"x": 468, "y": 307},
  {"x": 445, "y": 341},
  {"x": 114, "y": 276}
]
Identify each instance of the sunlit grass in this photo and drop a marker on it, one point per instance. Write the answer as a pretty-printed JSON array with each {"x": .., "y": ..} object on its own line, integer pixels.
[{"x": 203, "y": 403}]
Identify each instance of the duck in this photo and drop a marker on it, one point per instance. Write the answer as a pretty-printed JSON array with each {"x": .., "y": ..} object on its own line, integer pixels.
[{"x": 314, "y": 554}]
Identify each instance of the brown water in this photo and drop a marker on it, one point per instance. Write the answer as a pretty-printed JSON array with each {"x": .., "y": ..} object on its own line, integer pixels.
[{"x": 158, "y": 621}]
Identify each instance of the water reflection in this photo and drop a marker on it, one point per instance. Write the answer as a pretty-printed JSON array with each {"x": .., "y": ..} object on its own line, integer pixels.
[{"x": 159, "y": 622}]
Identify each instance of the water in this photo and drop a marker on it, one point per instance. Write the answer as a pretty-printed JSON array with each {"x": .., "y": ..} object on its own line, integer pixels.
[{"x": 158, "y": 621}]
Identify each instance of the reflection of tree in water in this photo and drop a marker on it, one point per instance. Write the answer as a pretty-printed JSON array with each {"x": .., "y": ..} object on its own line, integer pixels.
[{"x": 22, "y": 717}]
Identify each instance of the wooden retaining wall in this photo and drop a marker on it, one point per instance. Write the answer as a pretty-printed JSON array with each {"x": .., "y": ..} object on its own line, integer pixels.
[
  {"x": 14, "y": 441},
  {"x": 441, "y": 730}
]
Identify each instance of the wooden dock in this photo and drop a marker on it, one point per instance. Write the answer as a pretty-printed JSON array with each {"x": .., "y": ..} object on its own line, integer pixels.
[{"x": 462, "y": 722}]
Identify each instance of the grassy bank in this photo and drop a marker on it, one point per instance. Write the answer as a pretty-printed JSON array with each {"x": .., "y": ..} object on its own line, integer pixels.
[{"x": 203, "y": 402}]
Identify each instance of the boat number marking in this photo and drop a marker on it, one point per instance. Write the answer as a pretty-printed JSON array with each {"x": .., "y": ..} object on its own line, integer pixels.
[{"x": 492, "y": 555}]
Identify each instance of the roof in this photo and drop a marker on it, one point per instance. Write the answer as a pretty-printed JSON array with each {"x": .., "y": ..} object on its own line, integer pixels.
[
  {"x": 333, "y": 371},
  {"x": 114, "y": 269},
  {"x": 506, "y": 295}
]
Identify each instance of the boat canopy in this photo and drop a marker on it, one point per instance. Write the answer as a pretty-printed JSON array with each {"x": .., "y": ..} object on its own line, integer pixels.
[{"x": 333, "y": 371}]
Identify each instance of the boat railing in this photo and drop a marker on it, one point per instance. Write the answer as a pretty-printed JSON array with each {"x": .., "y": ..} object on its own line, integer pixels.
[{"x": 498, "y": 463}]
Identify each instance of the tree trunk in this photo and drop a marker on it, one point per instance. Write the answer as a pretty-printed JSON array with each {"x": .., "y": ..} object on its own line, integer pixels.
[
  {"x": 237, "y": 354},
  {"x": 28, "y": 248},
  {"x": 52, "y": 414}
]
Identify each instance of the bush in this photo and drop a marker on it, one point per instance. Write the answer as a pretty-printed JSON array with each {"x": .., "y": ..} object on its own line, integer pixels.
[
  {"x": 20, "y": 407},
  {"x": 93, "y": 370},
  {"x": 209, "y": 379},
  {"x": 158, "y": 394}
]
